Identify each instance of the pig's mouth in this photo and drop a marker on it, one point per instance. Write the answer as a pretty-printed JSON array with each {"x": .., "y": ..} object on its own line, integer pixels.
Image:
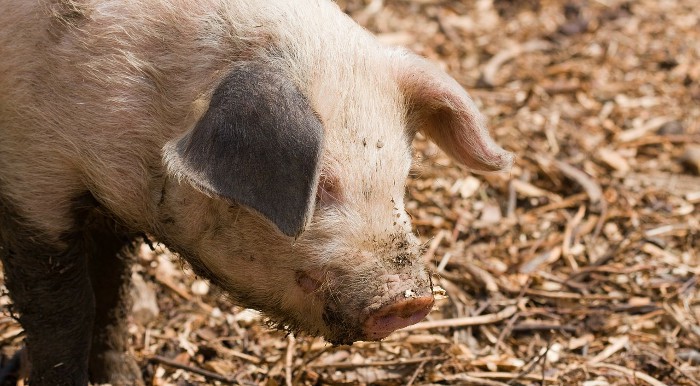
[
  {"x": 397, "y": 315},
  {"x": 375, "y": 322},
  {"x": 347, "y": 329}
]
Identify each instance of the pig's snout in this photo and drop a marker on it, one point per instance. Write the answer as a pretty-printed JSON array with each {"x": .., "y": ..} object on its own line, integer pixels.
[{"x": 400, "y": 314}]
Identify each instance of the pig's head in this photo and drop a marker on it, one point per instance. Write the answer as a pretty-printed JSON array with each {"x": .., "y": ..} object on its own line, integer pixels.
[{"x": 290, "y": 195}]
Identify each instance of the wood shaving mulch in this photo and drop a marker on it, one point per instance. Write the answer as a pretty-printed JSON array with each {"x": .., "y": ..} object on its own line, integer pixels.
[{"x": 579, "y": 267}]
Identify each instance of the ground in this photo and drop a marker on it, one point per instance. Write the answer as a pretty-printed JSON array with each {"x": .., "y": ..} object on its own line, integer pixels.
[{"x": 578, "y": 267}]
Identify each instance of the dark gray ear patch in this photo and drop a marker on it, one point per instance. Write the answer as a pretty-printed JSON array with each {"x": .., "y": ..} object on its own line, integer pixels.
[{"x": 258, "y": 144}]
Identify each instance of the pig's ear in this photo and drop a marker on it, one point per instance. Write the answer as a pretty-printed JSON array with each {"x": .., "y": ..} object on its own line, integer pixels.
[
  {"x": 258, "y": 144},
  {"x": 440, "y": 108}
]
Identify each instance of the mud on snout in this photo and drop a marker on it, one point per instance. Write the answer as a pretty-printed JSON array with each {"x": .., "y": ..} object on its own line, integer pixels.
[
  {"x": 345, "y": 295},
  {"x": 368, "y": 303}
]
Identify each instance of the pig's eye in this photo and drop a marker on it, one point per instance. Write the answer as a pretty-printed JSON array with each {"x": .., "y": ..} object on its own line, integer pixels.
[{"x": 328, "y": 190}]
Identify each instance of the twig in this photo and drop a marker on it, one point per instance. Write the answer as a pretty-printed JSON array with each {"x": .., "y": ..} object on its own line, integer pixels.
[
  {"x": 651, "y": 125},
  {"x": 509, "y": 376},
  {"x": 481, "y": 275},
  {"x": 434, "y": 244},
  {"x": 616, "y": 345},
  {"x": 544, "y": 360},
  {"x": 509, "y": 326},
  {"x": 235, "y": 353},
  {"x": 475, "y": 381},
  {"x": 631, "y": 373},
  {"x": 182, "y": 293},
  {"x": 682, "y": 322},
  {"x": 512, "y": 200},
  {"x": 465, "y": 321},
  {"x": 530, "y": 366},
  {"x": 399, "y": 362},
  {"x": 488, "y": 75},
  {"x": 543, "y": 327},
  {"x": 571, "y": 227},
  {"x": 677, "y": 368},
  {"x": 679, "y": 184},
  {"x": 565, "y": 203},
  {"x": 529, "y": 190},
  {"x": 656, "y": 139},
  {"x": 690, "y": 355},
  {"x": 572, "y": 296},
  {"x": 318, "y": 354},
  {"x": 173, "y": 287},
  {"x": 506, "y": 331},
  {"x": 291, "y": 348},
  {"x": 443, "y": 262},
  {"x": 585, "y": 271},
  {"x": 415, "y": 373},
  {"x": 689, "y": 283},
  {"x": 192, "y": 369},
  {"x": 592, "y": 188}
]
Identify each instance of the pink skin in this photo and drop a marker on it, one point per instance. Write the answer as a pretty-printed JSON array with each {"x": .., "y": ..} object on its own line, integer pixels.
[
  {"x": 308, "y": 283},
  {"x": 391, "y": 317},
  {"x": 398, "y": 315}
]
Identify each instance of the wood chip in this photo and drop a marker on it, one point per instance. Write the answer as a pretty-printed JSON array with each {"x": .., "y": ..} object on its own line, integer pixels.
[
  {"x": 616, "y": 344},
  {"x": 633, "y": 374},
  {"x": 466, "y": 321}
]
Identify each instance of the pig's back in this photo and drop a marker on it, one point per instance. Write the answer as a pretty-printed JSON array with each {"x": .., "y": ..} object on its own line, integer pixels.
[
  {"x": 90, "y": 91},
  {"x": 85, "y": 106}
]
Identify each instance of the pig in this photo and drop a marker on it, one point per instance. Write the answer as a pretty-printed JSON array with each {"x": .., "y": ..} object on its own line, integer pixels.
[{"x": 267, "y": 143}]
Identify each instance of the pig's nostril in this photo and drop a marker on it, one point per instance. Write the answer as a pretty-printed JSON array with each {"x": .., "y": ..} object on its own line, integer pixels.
[{"x": 397, "y": 315}]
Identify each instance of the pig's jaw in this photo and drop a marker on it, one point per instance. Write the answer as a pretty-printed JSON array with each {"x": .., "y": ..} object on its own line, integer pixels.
[{"x": 320, "y": 303}]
